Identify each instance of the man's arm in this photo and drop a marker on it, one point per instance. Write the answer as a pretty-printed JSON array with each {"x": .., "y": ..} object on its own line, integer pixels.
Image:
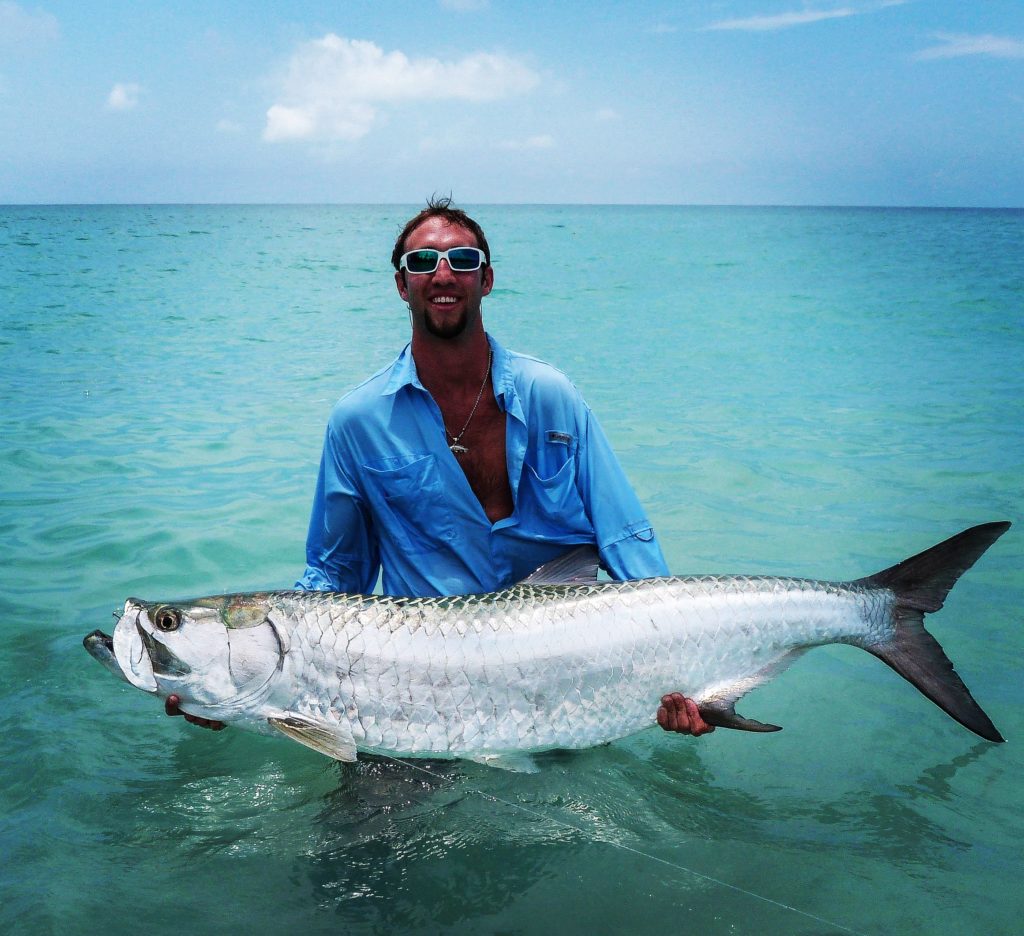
[
  {"x": 625, "y": 538},
  {"x": 341, "y": 552}
]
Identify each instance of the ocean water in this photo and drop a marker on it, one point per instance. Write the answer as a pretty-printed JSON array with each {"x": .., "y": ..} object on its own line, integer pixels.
[{"x": 817, "y": 392}]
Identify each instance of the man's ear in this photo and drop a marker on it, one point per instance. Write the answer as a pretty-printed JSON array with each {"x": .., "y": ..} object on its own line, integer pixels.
[
  {"x": 487, "y": 281},
  {"x": 400, "y": 283}
]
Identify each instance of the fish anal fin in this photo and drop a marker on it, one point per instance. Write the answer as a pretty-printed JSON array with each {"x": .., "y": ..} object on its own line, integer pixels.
[
  {"x": 722, "y": 714},
  {"x": 333, "y": 739}
]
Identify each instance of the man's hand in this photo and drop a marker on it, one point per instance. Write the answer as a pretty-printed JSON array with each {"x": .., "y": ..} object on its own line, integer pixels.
[
  {"x": 680, "y": 714},
  {"x": 171, "y": 708}
]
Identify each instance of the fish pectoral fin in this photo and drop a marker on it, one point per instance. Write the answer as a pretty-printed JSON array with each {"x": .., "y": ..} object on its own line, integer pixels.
[
  {"x": 577, "y": 567},
  {"x": 516, "y": 763},
  {"x": 722, "y": 714},
  {"x": 331, "y": 738}
]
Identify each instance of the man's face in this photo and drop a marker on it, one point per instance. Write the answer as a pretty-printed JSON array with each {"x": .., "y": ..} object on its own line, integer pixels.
[{"x": 444, "y": 303}]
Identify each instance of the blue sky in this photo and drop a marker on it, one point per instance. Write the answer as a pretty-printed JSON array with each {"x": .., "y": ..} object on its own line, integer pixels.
[{"x": 852, "y": 102}]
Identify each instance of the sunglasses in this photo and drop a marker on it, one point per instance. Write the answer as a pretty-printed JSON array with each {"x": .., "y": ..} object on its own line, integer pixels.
[{"x": 460, "y": 259}]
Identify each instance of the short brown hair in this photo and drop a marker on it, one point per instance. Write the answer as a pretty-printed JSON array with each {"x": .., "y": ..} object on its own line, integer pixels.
[{"x": 441, "y": 207}]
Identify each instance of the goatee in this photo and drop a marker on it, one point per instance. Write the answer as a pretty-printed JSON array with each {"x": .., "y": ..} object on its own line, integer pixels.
[{"x": 448, "y": 330}]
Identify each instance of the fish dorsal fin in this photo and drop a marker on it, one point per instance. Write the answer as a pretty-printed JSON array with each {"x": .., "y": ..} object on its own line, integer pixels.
[
  {"x": 576, "y": 567},
  {"x": 331, "y": 738}
]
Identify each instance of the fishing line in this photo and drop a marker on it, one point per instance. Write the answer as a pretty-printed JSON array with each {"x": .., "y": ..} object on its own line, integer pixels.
[{"x": 628, "y": 848}]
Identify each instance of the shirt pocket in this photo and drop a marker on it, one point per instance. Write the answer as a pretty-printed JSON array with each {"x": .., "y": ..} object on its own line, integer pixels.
[
  {"x": 552, "y": 505},
  {"x": 410, "y": 504}
]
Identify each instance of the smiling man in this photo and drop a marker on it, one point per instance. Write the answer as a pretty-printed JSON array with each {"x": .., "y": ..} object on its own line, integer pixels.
[{"x": 462, "y": 467}]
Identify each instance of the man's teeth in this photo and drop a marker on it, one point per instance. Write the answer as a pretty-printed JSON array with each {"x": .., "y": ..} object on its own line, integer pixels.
[{"x": 444, "y": 299}]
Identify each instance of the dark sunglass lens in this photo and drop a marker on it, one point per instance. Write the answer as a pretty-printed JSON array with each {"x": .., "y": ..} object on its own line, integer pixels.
[
  {"x": 464, "y": 258},
  {"x": 421, "y": 261}
]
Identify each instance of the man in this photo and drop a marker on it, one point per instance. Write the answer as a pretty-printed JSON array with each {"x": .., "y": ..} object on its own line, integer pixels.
[{"x": 463, "y": 467}]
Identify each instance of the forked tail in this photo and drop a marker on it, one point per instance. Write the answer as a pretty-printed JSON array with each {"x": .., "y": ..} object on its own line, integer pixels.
[{"x": 921, "y": 584}]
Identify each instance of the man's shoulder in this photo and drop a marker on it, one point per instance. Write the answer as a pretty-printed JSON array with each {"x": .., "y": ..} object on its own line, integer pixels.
[
  {"x": 364, "y": 397},
  {"x": 532, "y": 373}
]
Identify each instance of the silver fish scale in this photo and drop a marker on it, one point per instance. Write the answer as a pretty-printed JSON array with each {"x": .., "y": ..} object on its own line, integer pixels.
[{"x": 544, "y": 666}]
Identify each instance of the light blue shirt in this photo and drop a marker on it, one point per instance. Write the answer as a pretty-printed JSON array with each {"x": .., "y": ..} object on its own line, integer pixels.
[{"x": 390, "y": 495}]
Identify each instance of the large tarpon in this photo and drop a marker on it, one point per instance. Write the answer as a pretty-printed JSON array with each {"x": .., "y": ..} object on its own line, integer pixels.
[{"x": 558, "y": 661}]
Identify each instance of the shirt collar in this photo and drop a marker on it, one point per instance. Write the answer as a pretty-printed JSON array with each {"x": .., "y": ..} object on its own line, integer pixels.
[
  {"x": 504, "y": 382},
  {"x": 403, "y": 374}
]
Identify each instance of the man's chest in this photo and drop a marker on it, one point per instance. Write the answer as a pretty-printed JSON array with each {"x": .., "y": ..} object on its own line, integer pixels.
[{"x": 484, "y": 463}]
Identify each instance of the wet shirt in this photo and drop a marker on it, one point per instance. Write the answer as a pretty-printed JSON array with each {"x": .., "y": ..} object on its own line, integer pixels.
[{"x": 390, "y": 494}]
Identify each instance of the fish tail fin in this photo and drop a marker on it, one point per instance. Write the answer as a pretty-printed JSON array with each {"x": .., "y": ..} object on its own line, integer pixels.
[{"x": 920, "y": 585}]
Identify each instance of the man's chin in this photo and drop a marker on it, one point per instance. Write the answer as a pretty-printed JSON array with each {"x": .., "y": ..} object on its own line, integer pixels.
[{"x": 446, "y": 330}]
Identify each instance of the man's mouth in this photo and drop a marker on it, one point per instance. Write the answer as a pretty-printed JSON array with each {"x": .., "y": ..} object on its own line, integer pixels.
[{"x": 444, "y": 300}]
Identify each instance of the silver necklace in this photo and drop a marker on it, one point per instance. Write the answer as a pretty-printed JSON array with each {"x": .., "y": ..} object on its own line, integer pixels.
[{"x": 454, "y": 445}]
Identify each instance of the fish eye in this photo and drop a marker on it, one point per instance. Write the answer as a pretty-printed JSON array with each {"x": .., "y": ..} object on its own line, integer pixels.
[{"x": 167, "y": 619}]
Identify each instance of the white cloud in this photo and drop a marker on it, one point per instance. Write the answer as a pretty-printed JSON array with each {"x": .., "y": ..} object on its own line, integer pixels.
[
  {"x": 229, "y": 126},
  {"x": 18, "y": 25},
  {"x": 606, "y": 113},
  {"x": 957, "y": 45},
  {"x": 801, "y": 17},
  {"x": 538, "y": 142},
  {"x": 782, "y": 20},
  {"x": 334, "y": 87},
  {"x": 123, "y": 96}
]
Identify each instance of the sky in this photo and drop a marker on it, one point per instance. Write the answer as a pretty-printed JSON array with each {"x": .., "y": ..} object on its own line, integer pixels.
[{"x": 778, "y": 102}]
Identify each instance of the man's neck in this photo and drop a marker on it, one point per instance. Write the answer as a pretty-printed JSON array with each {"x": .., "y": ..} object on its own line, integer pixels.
[{"x": 450, "y": 364}]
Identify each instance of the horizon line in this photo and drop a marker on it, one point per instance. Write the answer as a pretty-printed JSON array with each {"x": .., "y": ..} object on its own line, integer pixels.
[{"x": 539, "y": 204}]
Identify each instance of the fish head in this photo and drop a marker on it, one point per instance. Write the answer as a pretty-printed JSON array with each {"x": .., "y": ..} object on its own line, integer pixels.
[{"x": 216, "y": 653}]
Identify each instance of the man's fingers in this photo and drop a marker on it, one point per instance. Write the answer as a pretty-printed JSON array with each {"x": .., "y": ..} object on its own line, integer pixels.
[
  {"x": 676, "y": 717},
  {"x": 171, "y": 707},
  {"x": 697, "y": 724},
  {"x": 682, "y": 715},
  {"x": 204, "y": 722}
]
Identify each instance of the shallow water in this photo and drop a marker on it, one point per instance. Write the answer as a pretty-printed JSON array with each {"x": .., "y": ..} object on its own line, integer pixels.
[{"x": 803, "y": 391}]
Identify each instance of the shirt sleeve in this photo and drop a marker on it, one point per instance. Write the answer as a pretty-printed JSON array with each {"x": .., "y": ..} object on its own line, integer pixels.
[
  {"x": 341, "y": 552},
  {"x": 625, "y": 538}
]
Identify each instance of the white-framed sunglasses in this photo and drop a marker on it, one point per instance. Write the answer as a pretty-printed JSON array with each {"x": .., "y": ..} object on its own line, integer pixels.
[{"x": 426, "y": 260}]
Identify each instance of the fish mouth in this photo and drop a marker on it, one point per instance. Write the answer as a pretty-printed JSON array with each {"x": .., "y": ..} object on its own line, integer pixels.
[
  {"x": 97, "y": 642},
  {"x": 100, "y": 647}
]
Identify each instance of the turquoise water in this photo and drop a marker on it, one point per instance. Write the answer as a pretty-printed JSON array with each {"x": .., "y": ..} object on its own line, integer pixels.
[{"x": 805, "y": 391}]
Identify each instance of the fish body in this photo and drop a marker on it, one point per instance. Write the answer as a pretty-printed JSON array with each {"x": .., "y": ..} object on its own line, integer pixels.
[{"x": 545, "y": 664}]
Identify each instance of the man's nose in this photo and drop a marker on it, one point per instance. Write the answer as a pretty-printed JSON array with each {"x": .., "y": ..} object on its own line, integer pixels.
[{"x": 443, "y": 271}]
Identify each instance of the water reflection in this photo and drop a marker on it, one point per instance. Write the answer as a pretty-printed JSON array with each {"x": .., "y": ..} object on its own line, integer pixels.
[
  {"x": 394, "y": 848},
  {"x": 613, "y": 832}
]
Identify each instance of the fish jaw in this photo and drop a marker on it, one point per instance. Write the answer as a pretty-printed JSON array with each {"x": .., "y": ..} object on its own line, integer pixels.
[{"x": 130, "y": 649}]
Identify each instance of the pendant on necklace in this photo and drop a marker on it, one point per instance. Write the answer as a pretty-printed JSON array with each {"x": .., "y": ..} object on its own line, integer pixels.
[{"x": 458, "y": 449}]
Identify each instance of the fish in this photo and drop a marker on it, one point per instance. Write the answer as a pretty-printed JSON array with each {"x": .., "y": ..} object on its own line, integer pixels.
[{"x": 560, "y": 660}]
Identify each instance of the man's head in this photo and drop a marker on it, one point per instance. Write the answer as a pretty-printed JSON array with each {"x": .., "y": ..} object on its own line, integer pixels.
[
  {"x": 444, "y": 302},
  {"x": 441, "y": 207}
]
